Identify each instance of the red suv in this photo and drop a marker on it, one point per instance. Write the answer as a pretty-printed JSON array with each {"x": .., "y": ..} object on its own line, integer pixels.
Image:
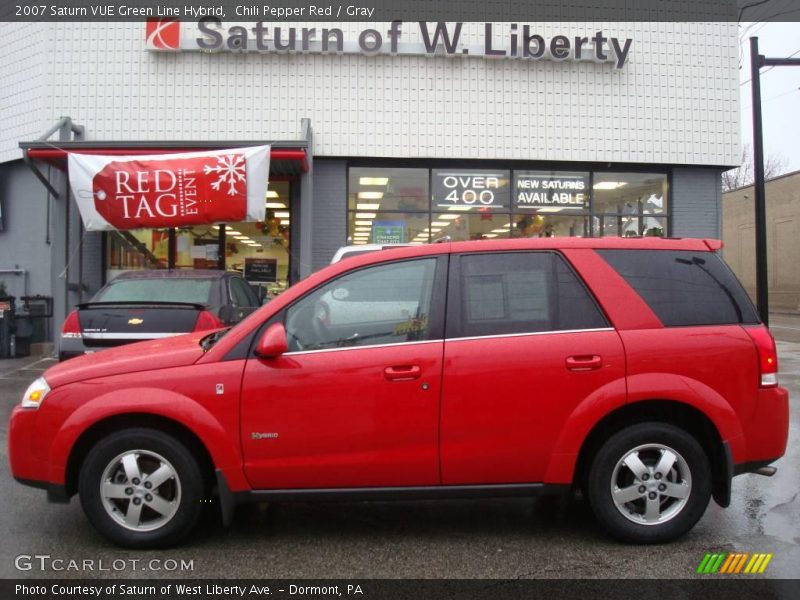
[{"x": 634, "y": 370}]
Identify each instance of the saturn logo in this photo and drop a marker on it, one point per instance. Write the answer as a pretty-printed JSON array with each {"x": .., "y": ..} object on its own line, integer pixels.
[
  {"x": 163, "y": 34},
  {"x": 135, "y": 321}
]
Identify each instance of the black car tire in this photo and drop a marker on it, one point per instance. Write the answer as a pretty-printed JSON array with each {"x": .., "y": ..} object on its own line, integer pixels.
[
  {"x": 643, "y": 441},
  {"x": 148, "y": 446}
]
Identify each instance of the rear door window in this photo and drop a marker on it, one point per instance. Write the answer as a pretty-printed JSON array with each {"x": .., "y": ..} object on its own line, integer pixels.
[
  {"x": 505, "y": 293},
  {"x": 684, "y": 288}
]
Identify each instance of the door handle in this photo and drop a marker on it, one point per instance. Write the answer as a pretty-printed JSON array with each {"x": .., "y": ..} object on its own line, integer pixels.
[
  {"x": 402, "y": 373},
  {"x": 585, "y": 362}
]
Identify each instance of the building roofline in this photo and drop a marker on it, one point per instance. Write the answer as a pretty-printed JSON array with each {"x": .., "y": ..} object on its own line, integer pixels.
[{"x": 749, "y": 185}]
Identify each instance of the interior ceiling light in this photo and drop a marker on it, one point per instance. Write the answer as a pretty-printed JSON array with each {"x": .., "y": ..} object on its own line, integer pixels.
[
  {"x": 272, "y": 194},
  {"x": 459, "y": 207},
  {"x": 367, "y": 229},
  {"x": 609, "y": 185},
  {"x": 275, "y": 205},
  {"x": 370, "y": 195},
  {"x": 499, "y": 231},
  {"x": 373, "y": 180},
  {"x": 282, "y": 215},
  {"x": 369, "y": 223},
  {"x": 365, "y": 215},
  {"x": 367, "y": 206},
  {"x": 440, "y": 223},
  {"x": 447, "y": 217},
  {"x": 490, "y": 235}
]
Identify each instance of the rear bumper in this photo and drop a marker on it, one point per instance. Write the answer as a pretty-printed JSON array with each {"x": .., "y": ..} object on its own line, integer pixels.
[{"x": 766, "y": 432}]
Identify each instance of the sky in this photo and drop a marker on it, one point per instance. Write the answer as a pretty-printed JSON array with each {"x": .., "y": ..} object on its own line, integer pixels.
[{"x": 780, "y": 90}]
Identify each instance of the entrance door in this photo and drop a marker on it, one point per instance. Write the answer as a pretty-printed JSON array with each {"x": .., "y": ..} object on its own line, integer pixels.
[
  {"x": 355, "y": 400},
  {"x": 526, "y": 344}
]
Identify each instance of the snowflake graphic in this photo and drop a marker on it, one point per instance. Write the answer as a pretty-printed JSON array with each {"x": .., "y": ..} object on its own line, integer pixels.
[{"x": 230, "y": 169}]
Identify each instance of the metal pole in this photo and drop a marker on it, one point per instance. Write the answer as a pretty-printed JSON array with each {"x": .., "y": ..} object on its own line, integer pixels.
[{"x": 762, "y": 279}]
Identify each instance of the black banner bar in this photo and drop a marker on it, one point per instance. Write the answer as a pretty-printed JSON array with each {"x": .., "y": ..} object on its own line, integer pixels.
[{"x": 711, "y": 587}]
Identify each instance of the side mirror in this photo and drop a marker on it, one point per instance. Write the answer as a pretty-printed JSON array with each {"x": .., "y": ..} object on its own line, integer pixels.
[{"x": 272, "y": 342}]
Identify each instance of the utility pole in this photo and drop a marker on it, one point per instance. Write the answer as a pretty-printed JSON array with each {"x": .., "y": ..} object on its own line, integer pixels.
[{"x": 758, "y": 62}]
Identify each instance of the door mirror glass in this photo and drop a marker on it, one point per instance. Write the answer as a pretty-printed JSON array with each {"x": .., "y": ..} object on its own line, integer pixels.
[{"x": 273, "y": 342}]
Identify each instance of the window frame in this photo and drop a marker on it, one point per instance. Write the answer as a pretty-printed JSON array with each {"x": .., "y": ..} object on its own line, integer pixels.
[{"x": 453, "y": 325}]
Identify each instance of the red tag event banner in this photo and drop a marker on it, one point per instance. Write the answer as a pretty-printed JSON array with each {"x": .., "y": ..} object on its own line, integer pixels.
[{"x": 170, "y": 190}]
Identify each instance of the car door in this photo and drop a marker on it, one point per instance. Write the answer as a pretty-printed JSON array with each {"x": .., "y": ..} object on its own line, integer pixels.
[
  {"x": 525, "y": 345},
  {"x": 354, "y": 402}
]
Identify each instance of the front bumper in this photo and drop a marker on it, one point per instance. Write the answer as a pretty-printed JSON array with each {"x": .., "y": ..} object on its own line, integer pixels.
[{"x": 22, "y": 458}]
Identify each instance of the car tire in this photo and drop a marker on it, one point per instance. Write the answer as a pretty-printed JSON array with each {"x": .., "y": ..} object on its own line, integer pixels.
[
  {"x": 141, "y": 488},
  {"x": 649, "y": 483}
]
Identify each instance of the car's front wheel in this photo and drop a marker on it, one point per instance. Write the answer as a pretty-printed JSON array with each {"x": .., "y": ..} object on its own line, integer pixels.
[
  {"x": 649, "y": 483},
  {"x": 141, "y": 488}
]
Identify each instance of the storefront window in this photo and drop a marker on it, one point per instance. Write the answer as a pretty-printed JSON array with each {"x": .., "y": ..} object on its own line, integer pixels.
[
  {"x": 197, "y": 247},
  {"x": 260, "y": 251},
  {"x": 630, "y": 204},
  {"x": 388, "y": 206},
  {"x": 476, "y": 224},
  {"x": 136, "y": 249},
  {"x": 548, "y": 225}
]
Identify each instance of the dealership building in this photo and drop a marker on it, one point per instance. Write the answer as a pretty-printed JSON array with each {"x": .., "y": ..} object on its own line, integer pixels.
[{"x": 378, "y": 133}]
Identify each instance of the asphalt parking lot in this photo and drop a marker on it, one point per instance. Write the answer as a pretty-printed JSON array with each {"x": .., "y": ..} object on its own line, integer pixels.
[{"x": 503, "y": 538}]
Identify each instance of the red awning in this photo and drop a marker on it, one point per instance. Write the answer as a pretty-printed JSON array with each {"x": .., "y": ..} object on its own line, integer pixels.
[{"x": 284, "y": 161}]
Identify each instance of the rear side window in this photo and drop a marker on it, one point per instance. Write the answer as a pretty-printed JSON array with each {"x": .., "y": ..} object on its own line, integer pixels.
[
  {"x": 684, "y": 288},
  {"x": 519, "y": 292}
]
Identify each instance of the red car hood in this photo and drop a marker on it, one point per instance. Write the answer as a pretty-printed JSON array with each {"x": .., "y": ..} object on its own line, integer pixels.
[{"x": 163, "y": 353}]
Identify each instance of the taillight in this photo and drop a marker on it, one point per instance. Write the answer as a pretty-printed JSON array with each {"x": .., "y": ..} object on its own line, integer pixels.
[
  {"x": 767, "y": 355},
  {"x": 72, "y": 326},
  {"x": 207, "y": 320}
]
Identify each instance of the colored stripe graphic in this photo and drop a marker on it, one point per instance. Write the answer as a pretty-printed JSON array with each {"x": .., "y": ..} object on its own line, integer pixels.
[
  {"x": 727, "y": 565},
  {"x": 703, "y": 563},
  {"x": 733, "y": 563},
  {"x": 741, "y": 562},
  {"x": 764, "y": 564}
]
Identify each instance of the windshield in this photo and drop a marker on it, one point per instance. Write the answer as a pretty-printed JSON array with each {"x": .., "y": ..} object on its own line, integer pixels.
[{"x": 197, "y": 291}]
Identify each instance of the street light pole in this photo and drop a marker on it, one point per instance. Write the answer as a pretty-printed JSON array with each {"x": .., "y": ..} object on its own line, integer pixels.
[
  {"x": 762, "y": 279},
  {"x": 757, "y": 62}
]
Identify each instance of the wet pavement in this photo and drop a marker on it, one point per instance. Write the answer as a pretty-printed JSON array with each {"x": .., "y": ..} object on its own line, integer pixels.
[{"x": 502, "y": 538}]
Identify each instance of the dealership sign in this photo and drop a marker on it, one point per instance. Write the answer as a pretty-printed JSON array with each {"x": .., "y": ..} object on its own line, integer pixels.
[
  {"x": 170, "y": 190},
  {"x": 550, "y": 192},
  {"x": 510, "y": 40},
  {"x": 479, "y": 189}
]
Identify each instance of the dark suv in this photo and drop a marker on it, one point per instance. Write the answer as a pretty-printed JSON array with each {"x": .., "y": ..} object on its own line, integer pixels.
[{"x": 633, "y": 369}]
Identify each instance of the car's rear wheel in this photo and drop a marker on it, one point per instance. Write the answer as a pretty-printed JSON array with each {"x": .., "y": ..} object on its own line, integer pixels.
[
  {"x": 141, "y": 488},
  {"x": 649, "y": 483}
]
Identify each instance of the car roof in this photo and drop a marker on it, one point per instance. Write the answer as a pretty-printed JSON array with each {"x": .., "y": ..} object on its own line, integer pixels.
[{"x": 174, "y": 274}]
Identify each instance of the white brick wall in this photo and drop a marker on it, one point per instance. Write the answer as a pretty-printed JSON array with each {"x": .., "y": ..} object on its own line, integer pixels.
[
  {"x": 676, "y": 101},
  {"x": 23, "y": 85}
]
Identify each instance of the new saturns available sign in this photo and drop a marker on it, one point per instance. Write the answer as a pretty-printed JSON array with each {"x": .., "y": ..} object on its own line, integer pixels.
[{"x": 170, "y": 190}]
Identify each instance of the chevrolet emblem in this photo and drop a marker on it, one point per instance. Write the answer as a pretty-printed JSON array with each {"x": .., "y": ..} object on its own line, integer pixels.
[{"x": 135, "y": 321}]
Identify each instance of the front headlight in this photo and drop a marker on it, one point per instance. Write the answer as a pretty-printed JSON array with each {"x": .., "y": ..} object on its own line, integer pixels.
[{"x": 35, "y": 393}]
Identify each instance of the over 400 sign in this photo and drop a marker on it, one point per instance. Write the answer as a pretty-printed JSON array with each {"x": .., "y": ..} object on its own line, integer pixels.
[{"x": 481, "y": 189}]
